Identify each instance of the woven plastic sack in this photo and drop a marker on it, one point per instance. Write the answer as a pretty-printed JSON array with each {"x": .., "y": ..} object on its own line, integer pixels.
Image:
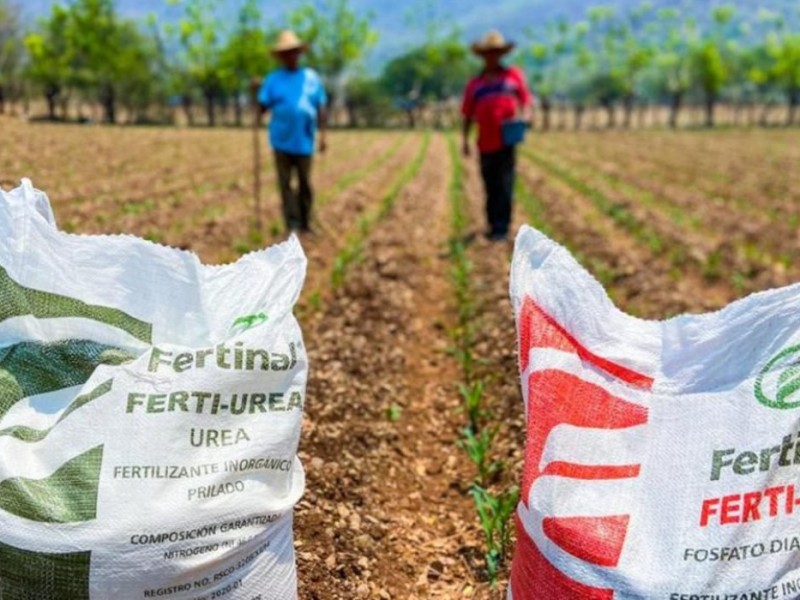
[
  {"x": 150, "y": 411},
  {"x": 24, "y": 198},
  {"x": 662, "y": 458}
]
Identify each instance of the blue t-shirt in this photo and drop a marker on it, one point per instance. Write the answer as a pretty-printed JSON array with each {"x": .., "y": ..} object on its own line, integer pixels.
[{"x": 294, "y": 97}]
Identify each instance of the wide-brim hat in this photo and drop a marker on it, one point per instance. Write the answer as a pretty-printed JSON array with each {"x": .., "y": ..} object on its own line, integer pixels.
[
  {"x": 492, "y": 42},
  {"x": 288, "y": 41}
]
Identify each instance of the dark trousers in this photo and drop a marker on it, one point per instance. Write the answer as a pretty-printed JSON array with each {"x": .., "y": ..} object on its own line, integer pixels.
[
  {"x": 296, "y": 203},
  {"x": 497, "y": 169}
]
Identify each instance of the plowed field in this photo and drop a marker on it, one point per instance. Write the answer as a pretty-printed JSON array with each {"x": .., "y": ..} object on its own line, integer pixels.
[{"x": 668, "y": 222}]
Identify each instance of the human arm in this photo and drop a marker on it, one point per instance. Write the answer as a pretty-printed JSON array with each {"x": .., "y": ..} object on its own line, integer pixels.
[
  {"x": 466, "y": 128},
  {"x": 259, "y": 95},
  {"x": 524, "y": 96},
  {"x": 320, "y": 101},
  {"x": 467, "y": 112},
  {"x": 322, "y": 125}
]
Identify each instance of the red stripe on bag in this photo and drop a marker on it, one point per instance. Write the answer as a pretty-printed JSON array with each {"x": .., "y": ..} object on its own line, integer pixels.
[
  {"x": 591, "y": 472},
  {"x": 556, "y": 398},
  {"x": 537, "y": 329},
  {"x": 533, "y": 577},
  {"x": 559, "y": 398},
  {"x": 597, "y": 540}
]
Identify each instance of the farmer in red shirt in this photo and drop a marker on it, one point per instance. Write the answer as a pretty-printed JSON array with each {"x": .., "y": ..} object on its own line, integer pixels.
[{"x": 498, "y": 95}]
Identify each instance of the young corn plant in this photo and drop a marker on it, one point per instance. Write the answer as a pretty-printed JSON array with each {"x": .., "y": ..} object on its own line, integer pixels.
[
  {"x": 355, "y": 243},
  {"x": 472, "y": 395},
  {"x": 494, "y": 512},
  {"x": 478, "y": 446}
]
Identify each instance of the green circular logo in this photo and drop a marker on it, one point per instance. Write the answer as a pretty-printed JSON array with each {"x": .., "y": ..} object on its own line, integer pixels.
[{"x": 778, "y": 384}]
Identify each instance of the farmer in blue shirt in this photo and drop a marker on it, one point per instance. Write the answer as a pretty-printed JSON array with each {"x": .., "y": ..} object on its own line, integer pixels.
[{"x": 296, "y": 97}]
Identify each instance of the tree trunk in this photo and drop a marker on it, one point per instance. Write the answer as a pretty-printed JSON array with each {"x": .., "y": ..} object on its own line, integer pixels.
[
  {"x": 711, "y": 103},
  {"x": 628, "y": 106},
  {"x": 51, "y": 95},
  {"x": 794, "y": 102},
  {"x": 675, "y": 108},
  {"x": 563, "y": 112},
  {"x": 738, "y": 107},
  {"x": 352, "y": 116},
  {"x": 580, "y": 108},
  {"x": 237, "y": 111},
  {"x": 186, "y": 103},
  {"x": 2, "y": 99},
  {"x": 546, "y": 108},
  {"x": 763, "y": 120},
  {"x": 210, "y": 108},
  {"x": 412, "y": 120},
  {"x": 641, "y": 116},
  {"x": 109, "y": 102},
  {"x": 611, "y": 122},
  {"x": 751, "y": 117}
]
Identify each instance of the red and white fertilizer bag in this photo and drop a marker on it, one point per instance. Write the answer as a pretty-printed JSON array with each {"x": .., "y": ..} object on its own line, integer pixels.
[
  {"x": 662, "y": 459},
  {"x": 150, "y": 411}
]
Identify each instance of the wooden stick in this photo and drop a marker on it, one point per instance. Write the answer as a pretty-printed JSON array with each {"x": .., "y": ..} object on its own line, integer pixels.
[{"x": 256, "y": 164}]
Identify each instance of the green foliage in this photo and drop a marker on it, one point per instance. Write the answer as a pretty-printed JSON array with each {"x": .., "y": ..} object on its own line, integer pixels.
[
  {"x": 87, "y": 49},
  {"x": 367, "y": 102},
  {"x": 394, "y": 412},
  {"x": 494, "y": 511},
  {"x": 478, "y": 447},
  {"x": 12, "y": 50},
  {"x": 246, "y": 52},
  {"x": 435, "y": 70},
  {"x": 708, "y": 67},
  {"x": 472, "y": 397},
  {"x": 49, "y": 66},
  {"x": 337, "y": 35}
]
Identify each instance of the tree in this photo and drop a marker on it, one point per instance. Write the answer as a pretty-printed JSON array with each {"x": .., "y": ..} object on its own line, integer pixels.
[
  {"x": 634, "y": 57},
  {"x": 709, "y": 66},
  {"x": 784, "y": 50},
  {"x": 367, "y": 102},
  {"x": 607, "y": 82},
  {"x": 139, "y": 70},
  {"x": 49, "y": 66},
  {"x": 245, "y": 55},
  {"x": 12, "y": 51},
  {"x": 200, "y": 38},
  {"x": 96, "y": 46},
  {"x": 338, "y": 39},
  {"x": 546, "y": 62},
  {"x": 673, "y": 76}
]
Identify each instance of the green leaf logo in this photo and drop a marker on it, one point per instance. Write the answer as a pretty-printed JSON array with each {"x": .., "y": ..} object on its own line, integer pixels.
[
  {"x": 248, "y": 322},
  {"x": 778, "y": 384}
]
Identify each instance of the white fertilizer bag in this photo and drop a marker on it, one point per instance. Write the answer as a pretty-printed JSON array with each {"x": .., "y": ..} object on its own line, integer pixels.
[
  {"x": 662, "y": 458},
  {"x": 24, "y": 198},
  {"x": 150, "y": 411}
]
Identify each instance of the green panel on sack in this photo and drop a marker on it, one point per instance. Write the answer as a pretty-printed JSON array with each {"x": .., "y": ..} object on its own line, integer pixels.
[
  {"x": 26, "y": 575},
  {"x": 31, "y": 368},
  {"x": 67, "y": 496},
  {"x": 30, "y": 435},
  {"x": 17, "y": 300}
]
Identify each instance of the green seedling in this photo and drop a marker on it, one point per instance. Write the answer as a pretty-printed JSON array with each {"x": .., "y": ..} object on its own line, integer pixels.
[
  {"x": 472, "y": 395},
  {"x": 478, "y": 445},
  {"x": 494, "y": 512},
  {"x": 315, "y": 300},
  {"x": 394, "y": 412}
]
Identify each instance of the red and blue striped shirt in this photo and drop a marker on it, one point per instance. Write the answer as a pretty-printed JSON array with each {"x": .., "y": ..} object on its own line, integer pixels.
[{"x": 489, "y": 100}]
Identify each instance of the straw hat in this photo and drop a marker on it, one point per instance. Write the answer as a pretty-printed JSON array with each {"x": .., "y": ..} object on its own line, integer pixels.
[
  {"x": 492, "y": 41},
  {"x": 287, "y": 41}
]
